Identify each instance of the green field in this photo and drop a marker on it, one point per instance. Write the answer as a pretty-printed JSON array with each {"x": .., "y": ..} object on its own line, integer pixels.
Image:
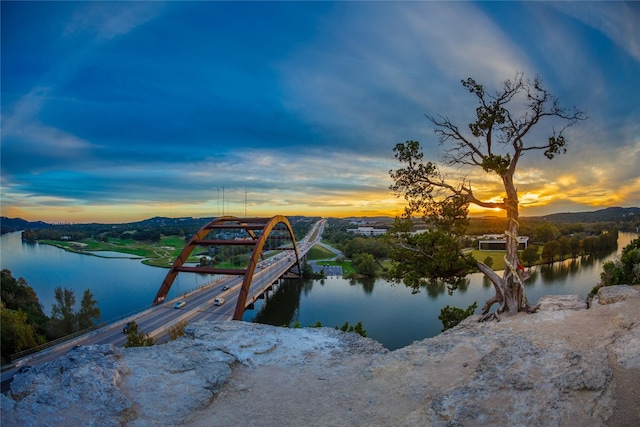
[
  {"x": 164, "y": 252},
  {"x": 497, "y": 256},
  {"x": 318, "y": 252},
  {"x": 158, "y": 254}
]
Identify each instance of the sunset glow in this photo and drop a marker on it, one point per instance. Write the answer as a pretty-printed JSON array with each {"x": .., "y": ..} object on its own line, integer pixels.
[{"x": 121, "y": 111}]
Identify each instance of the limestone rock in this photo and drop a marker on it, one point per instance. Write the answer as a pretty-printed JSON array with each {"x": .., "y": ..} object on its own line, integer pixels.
[
  {"x": 562, "y": 302},
  {"x": 561, "y": 366},
  {"x": 80, "y": 388},
  {"x": 612, "y": 294}
]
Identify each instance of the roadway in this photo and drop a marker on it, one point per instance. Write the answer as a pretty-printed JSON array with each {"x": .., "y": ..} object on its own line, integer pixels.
[{"x": 157, "y": 320}]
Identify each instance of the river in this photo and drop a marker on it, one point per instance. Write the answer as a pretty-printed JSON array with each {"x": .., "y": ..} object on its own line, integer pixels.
[
  {"x": 390, "y": 313},
  {"x": 394, "y": 316},
  {"x": 120, "y": 285}
]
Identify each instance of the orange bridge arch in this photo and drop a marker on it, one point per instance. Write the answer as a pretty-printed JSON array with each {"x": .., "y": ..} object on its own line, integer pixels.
[{"x": 251, "y": 225}]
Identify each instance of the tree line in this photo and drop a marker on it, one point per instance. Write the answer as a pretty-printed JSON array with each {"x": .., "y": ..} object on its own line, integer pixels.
[
  {"x": 140, "y": 231},
  {"x": 99, "y": 234},
  {"x": 573, "y": 246},
  {"x": 24, "y": 325},
  {"x": 548, "y": 243}
]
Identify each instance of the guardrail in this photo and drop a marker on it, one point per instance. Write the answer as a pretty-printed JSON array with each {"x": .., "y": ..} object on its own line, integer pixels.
[
  {"x": 66, "y": 338},
  {"x": 113, "y": 321}
]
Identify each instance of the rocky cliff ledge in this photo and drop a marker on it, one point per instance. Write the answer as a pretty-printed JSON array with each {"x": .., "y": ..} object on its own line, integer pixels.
[{"x": 563, "y": 366}]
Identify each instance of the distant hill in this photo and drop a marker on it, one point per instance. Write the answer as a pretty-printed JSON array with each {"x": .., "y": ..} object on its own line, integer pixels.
[
  {"x": 9, "y": 225},
  {"x": 604, "y": 215},
  {"x": 370, "y": 220},
  {"x": 161, "y": 221},
  {"x": 617, "y": 214}
]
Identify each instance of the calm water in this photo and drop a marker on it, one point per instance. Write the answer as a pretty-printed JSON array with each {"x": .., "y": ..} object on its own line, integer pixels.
[
  {"x": 120, "y": 285},
  {"x": 394, "y": 316},
  {"x": 390, "y": 313}
]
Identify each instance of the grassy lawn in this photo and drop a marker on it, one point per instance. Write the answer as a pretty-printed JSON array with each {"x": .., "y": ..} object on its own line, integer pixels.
[
  {"x": 497, "y": 256},
  {"x": 158, "y": 254},
  {"x": 164, "y": 252},
  {"x": 318, "y": 252}
]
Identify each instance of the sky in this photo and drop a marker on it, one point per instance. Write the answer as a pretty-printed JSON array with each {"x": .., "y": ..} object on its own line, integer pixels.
[{"x": 120, "y": 111}]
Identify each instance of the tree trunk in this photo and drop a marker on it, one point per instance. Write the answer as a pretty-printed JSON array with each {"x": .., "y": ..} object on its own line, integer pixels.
[
  {"x": 509, "y": 289},
  {"x": 515, "y": 299}
]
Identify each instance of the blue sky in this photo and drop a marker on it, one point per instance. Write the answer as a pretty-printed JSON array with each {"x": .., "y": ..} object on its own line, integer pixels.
[{"x": 119, "y": 111}]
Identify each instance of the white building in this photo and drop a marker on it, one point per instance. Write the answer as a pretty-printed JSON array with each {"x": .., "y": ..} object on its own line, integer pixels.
[
  {"x": 368, "y": 231},
  {"x": 498, "y": 242}
]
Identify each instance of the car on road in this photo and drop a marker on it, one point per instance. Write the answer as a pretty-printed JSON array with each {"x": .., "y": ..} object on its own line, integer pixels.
[
  {"x": 225, "y": 288},
  {"x": 180, "y": 304},
  {"x": 218, "y": 301}
]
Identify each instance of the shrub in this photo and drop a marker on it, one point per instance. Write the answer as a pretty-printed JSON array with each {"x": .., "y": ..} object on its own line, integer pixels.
[
  {"x": 451, "y": 316},
  {"x": 177, "y": 330}
]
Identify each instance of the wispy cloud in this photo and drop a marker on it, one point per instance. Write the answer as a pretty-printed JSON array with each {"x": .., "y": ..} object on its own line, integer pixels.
[
  {"x": 147, "y": 105},
  {"x": 108, "y": 20},
  {"x": 619, "y": 21}
]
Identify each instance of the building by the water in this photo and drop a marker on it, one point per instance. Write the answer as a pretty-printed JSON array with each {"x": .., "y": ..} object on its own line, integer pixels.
[{"x": 498, "y": 242}]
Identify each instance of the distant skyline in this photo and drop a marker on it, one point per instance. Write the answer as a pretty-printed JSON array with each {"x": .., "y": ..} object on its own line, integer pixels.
[{"x": 120, "y": 111}]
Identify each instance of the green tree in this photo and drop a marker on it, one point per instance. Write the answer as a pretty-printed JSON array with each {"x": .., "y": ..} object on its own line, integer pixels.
[
  {"x": 17, "y": 333},
  {"x": 369, "y": 245},
  {"x": 564, "y": 247},
  {"x": 16, "y": 294},
  {"x": 137, "y": 338},
  {"x": 89, "y": 312},
  {"x": 308, "y": 273},
  {"x": 358, "y": 328},
  {"x": 495, "y": 143},
  {"x": 62, "y": 314},
  {"x": 625, "y": 270},
  {"x": 364, "y": 264},
  {"x": 22, "y": 318},
  {"x": 590, "y": 245},
  {"x": 545, "y": 233},
  {"x": 428, "y": 257},
  {"x": 550, "y": 251},
  {"x": 451, "y": 316},
  {"x": 530, "y": 255},
  {"x": 574, "y": 247},
  {"x": 488, "y": 261}
]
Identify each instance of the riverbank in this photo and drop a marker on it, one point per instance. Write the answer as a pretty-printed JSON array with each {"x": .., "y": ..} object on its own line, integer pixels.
[
  {"x": 156, "y": 254},
  {"x": 565, "y": 365}
]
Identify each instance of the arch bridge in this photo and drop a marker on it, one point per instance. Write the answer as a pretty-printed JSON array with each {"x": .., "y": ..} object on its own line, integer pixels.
[{"x": 231, "y": 236}]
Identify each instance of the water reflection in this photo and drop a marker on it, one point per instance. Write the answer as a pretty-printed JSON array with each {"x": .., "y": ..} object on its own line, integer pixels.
[
  {"x": 532, "y": 279},
  {"x": 282, "y": 305},
  {"x": 390, "y": 313},
  {"x": 395, "y": 316},
  {"x": 367, "y": 284},
  {"x": 436, "y": 288}
]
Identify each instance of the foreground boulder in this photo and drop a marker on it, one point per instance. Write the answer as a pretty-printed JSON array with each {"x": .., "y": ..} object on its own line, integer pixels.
[{"x": 563, "y": 366}]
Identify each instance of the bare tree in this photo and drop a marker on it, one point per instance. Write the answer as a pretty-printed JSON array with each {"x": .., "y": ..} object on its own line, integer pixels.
[{"x": 495, "y": 143}]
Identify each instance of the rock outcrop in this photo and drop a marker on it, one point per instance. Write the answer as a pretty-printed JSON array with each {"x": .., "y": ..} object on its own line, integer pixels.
[{"x": 563, "y": 366}]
